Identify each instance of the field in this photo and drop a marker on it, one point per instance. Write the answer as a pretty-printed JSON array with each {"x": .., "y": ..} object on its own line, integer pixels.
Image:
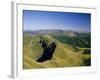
[{"x": 72, "y": 49}]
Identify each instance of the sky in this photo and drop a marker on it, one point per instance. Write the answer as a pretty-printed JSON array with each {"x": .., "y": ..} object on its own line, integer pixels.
[{"x": 37, "y": 20}]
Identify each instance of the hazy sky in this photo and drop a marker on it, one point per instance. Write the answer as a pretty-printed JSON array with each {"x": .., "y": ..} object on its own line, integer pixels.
[{"x": 34, "y": 20}]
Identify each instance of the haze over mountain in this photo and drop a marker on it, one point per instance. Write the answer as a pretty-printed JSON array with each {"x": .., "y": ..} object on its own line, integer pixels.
[{"x": 56, "y": 31}]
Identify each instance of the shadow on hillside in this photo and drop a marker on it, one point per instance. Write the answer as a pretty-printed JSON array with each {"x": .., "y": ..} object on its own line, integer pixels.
[
  {"x": 87, "y": 62},
  {"x": 48, "y": 50}
]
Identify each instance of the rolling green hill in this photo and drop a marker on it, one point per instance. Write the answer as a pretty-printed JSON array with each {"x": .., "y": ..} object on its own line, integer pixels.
[{"x": 65, "y": 55}]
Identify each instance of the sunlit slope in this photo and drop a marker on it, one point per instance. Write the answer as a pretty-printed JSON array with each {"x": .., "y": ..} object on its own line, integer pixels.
[{"x": 64, "y": 54}]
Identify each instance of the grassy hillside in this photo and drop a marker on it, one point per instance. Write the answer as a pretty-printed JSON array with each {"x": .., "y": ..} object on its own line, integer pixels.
[
  {"x": 64, "y": 55},
  {"x": 75, "y": 39}
]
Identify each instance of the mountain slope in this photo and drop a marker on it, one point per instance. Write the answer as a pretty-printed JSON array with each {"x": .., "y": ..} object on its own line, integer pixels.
[{"x": 64, "y": 54}]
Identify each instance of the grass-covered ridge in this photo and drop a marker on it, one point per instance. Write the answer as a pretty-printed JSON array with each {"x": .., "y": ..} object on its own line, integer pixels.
[{"x": 65, "y": 55}]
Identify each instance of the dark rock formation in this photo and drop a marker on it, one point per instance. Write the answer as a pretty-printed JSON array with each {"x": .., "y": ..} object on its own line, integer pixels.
[{"x": 48, "y": 50}]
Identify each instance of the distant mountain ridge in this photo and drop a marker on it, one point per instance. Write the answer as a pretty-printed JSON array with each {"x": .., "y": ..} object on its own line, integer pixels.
[{"x": 55, "y": 31}]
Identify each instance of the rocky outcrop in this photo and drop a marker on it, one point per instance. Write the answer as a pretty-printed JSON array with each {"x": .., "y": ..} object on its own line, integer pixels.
[{"x": 48, "y": 50}]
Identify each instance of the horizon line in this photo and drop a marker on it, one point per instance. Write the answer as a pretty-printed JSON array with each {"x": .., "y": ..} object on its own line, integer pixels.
[{"x": 58, "y": 29}]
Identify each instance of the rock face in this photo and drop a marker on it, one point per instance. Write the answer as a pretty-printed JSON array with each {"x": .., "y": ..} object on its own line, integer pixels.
[{"x": 48, "y": 50}]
